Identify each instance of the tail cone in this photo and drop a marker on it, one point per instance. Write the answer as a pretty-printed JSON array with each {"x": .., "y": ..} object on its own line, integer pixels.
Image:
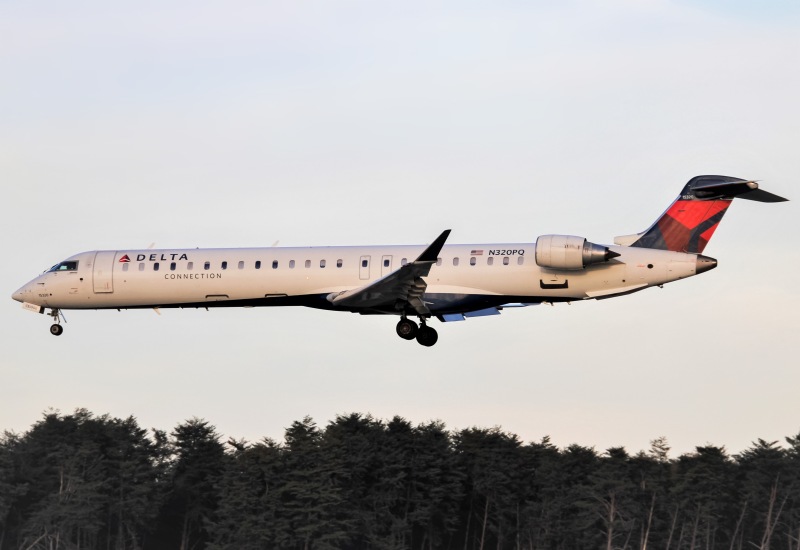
[{"x": 704, "y": 263}]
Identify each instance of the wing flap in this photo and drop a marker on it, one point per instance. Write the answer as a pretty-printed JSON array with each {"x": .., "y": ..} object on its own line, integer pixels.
[{"x": 400, "y": 289}]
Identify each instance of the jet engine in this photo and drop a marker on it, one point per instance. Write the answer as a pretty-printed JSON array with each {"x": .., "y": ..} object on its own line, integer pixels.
[{"x": 569, "y": 252}]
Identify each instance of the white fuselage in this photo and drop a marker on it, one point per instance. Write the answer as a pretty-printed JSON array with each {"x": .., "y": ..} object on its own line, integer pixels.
[{"x": 465, "y": 277}]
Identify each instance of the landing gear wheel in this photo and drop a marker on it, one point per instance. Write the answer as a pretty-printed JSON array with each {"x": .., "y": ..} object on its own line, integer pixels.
[
  {"x": 407, "y": 329},
  {"x": 56, "y": 330},
  {"x": 427, "y": 336}
]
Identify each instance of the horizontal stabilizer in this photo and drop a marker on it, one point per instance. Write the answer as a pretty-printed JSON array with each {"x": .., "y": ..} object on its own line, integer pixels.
[
  {"x": 627, "y": 240},
  {"x": 761, "y": 196}
]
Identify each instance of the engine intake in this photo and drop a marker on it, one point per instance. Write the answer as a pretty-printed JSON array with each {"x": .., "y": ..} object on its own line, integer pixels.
[{"x": 569, "y": 252}]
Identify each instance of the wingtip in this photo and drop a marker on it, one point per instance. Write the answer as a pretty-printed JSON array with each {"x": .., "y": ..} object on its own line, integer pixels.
[{"x": 432, "y": 252}]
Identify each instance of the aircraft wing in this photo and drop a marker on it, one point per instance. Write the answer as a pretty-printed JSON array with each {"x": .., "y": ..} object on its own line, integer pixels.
[{"x": 399, "y": 289}]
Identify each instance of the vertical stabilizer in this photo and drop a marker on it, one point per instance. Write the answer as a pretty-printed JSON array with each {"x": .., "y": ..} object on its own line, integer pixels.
[{"x": 691, "y": 220}]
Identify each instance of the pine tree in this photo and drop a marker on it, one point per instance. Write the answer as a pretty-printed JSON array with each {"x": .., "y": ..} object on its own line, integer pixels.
[
  {"x": 311, "y": 505},
  {"x": 198, "y": 463}
]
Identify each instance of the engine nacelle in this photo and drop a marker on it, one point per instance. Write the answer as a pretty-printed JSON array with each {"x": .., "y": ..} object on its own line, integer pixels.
[{"x": 569, "y": 252}]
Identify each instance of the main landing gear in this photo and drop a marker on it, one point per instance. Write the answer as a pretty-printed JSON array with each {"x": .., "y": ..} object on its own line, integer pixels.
[
  {"x": 425, "y": 335},
  {"x": 56, "y": 329}
]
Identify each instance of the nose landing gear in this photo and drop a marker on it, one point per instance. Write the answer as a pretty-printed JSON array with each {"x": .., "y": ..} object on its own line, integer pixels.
[
  {"x": 425, "y": 335},
  {"x": 56, "y": 329}
]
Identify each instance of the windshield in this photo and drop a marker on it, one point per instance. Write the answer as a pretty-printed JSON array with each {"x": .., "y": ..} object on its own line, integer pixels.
[{"x": 65, "y": 266}]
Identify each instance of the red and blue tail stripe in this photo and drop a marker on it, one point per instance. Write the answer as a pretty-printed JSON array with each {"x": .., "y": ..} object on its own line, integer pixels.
[{"x": 691, "y": 220}]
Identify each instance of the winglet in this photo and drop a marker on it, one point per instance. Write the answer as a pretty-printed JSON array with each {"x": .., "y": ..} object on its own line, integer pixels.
[{"x": 432, "y": 252}]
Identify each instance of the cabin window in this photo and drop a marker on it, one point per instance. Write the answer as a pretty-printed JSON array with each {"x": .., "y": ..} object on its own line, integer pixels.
[
  {"x": 339, "y": 263},
  {"x": 404, "y": 261},
  {"x": 141, "y": 266},
  {"x": 473, "y": 261},
  {"x": 308, "y": 263},
  {"x": 505, "y": 260},
  {"x": 207, "y": 266},
  {"x": 455, "y": 261},
  {"x": 489, "y": 260},
  {"x": 224, "y": 265},
  {"x": 322, "y": 264},
  {"x": 364, "y": 263},
  {"x": 241, "y": 264},
  {"x": 155, "y": 266},
  {"x": 291, "y": 264},
  {"x": 274, "y": 264},
  {"x": 520, "y": 260},
  {"x": 438, "y": 261},
  {"x": 190, "y": 266},
  {"x": 258, "y": 264},
  {"x": 172, "y": 266},
  {"x": 125, "y": 267}
]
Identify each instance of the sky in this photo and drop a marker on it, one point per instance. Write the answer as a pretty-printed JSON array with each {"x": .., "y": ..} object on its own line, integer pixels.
[{"x": 206, "y": 124}]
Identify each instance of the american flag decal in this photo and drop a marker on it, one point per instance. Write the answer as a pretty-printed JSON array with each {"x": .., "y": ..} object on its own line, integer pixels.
[
  {"x": 125, "y": 259},
  {"x": 476, "y": 252}
]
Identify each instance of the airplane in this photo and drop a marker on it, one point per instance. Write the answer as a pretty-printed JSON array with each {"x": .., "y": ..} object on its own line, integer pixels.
[{"x": 448, "y": 281}]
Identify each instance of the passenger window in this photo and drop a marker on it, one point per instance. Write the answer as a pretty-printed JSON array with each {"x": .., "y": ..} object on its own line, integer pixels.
[
  {"x": 224, "y": 265},
  {"x": 291, "y": 264},
  {"x": 207, "y": 266},
  {"x": 505, "y": 260},
  {"x": 385, "y": 263},
  {"x": 125, "y": 267},
  {"x": 438, "y": 261},
  {"x": 520, "y": 260},
  {"x": 274, "y": 264},
  {"x": 141, "y": 266},
  {"x": 258, "y": 264},
  {"x": 404, "y": 261},
  {"x": 172, "y": 266},
  {"x": 190, "y": 266},
  {"x": 455, "y": 261},
  {"x": 308, "y": 263},
  {"x": 338, "y": 263},
  {"x": 364, "y": 263},
  {"x": 489, "y": 260},
  {"x": 155, "y": 266},
  {"x": 472, "y": 261},
  {"x": 241, "y": 264},
  {"x": 322, "y": 264}
]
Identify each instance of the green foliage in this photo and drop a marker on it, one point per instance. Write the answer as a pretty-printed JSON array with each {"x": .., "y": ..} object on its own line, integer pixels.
[{"x": 81, "y": 481}]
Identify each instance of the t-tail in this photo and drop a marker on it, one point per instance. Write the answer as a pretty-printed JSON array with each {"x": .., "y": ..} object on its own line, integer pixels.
[{"x": 691, "y": 220}]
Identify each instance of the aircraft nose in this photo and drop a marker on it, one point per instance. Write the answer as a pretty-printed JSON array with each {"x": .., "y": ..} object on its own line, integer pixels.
[{"x": 21, "y": 294}]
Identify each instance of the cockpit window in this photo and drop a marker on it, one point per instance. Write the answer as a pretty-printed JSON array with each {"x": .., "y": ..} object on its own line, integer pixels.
[{"x": 65, "y": 266}]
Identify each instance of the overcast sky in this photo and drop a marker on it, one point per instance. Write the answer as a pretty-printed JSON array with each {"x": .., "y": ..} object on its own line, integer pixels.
[{"x": 341, "y": 123}]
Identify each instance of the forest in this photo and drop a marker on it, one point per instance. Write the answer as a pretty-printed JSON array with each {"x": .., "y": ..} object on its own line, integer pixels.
[{"x": 82, "y": 481}]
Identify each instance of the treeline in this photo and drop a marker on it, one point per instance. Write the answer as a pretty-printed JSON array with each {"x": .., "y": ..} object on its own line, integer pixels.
[{"x": 83, "y": 481}]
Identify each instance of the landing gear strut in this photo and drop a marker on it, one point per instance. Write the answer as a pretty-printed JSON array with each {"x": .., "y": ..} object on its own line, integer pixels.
[
  {"x": 56, "y": 329},
  {"x": 408, "y": 330}
]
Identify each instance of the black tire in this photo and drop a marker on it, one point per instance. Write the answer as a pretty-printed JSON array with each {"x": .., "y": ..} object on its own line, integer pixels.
[
  {"x": 56, "y": 330},
  {"x": 427, "y": 336},
  {"x": 407, "y": 329}
]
